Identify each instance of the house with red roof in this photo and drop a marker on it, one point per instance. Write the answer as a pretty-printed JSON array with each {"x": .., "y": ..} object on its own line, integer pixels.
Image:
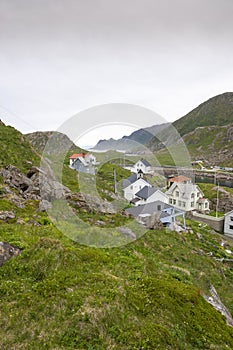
[
  {"x": 83, "y": 162},
  {"x": 179, "y": 179}
]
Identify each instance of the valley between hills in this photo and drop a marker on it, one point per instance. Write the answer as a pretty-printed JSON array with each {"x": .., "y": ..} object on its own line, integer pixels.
[{"x": 162, "y": 289}]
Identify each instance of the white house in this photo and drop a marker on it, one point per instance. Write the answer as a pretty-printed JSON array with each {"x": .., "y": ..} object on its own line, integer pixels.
[
  {"x": 228, "y": 223},
  {"x": 187, "y": 196},
  {"x": 181, "y": 178},
  {"x": 83, "y": 162},
  {"x": 149, "y": 194},
  {"x": 133, "y": 184},
  {"x": 142, "y": 165}
]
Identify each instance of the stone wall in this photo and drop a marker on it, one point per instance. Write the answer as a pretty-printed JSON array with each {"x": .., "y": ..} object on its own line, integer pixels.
[{"x": 215, "y": 223}]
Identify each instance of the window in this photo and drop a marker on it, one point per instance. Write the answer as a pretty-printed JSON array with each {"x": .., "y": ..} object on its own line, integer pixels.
[
  {"x": 206, "y": 205},
  {"x": 231, "y": 227},
  {"x": 184, "y": 204},
  {"x": 174, "y": 201},
  {"x": 170, "y": 201},
  {"x": 231, "y": 218},
  {"x": 192, "y": 204},
  {"x": 177, "y": 193},
  {"x": 131, "y": 187},
  {"x": 198, "y": 194},
  {"x": 179, "y": 203},
  {"x": 159, "y": 207},
  {"x": 192, "y": 195}
]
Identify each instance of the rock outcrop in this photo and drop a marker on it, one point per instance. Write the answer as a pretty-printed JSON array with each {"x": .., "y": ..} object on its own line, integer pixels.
[
  {"x": 216, "y": 302},
  {"x": 7, "y": 251},
  {"x": 225, "y": 203},
  {"x": 41, "y": 185},
  {"x": 7, "y": 215}
]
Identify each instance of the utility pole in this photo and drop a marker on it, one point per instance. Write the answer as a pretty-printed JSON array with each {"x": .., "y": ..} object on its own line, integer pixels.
[
  {"x": 217, "y": 201},
  {"x": 215, "y": 177},
  {"x": 115, "y": 184}
]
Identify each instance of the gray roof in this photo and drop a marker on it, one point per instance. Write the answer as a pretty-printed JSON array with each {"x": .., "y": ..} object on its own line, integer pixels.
[
  {"x": 134, "y": 200},
  {"x": 130, "y": 180},
  {"x": 146, "y": 192},
  {"x": 145, "y": 162},
  {"x": 150, "y": 208}
]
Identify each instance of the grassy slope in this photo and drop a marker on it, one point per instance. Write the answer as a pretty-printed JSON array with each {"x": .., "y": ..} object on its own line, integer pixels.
[
  {"x": 216, "y": 111},
  {"x": 146, "y": 295},
  {"x": 15, "y": 149},
  {"x": 142, "y": 296},
  {"x": 208, "y": 143}
]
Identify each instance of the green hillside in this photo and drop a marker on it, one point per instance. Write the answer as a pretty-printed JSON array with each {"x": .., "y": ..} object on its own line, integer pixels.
[
  {"x": 216, "y": 111},
  {"x": 214, "y": 145},
  {"x": 16, "y": 149},
  {"x": 207, "y": 132},
  {"x": 146, "y": 295},
  {"x": 211, "y": 144}
]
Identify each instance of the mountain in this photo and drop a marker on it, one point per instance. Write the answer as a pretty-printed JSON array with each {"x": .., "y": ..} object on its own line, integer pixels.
[
  {"x": 134, "y": 141},
  {"x": 16, "y": 149},
  {"x": 217, "y": 111},
  {"x": 58, "y": 142},
  {"x": 212, "y": 144}
]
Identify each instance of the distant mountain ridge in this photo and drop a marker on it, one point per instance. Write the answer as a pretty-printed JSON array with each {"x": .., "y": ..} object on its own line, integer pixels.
[
  {"x": 216, "y": 111},
  {"x": 134, "y": 141}
]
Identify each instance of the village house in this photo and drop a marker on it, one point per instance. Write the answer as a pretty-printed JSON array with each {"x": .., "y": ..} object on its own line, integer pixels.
[
  {"x": 149, "y": 194},
  {"x": 158, "y": 210},
  {"x": 133, "y": 184},
  {"x": 187, "y": 196},
  {"x": 228, "y": 223},
  {"x": 142, "y": 165},
  {"x": 83, "y": 162},
  {"x": 179, "y": 179}
]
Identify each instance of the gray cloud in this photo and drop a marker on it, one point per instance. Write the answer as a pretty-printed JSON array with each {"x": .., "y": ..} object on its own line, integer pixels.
[{"x": 59, "y": 57}]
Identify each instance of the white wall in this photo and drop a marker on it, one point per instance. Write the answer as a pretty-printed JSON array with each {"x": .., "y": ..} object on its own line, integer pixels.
[
  {"x": 131, "y": 190},
  {"x": 180, "y": 200},
  {"x": 140, "y": 166},
  {"x": 228, "y": 224}
]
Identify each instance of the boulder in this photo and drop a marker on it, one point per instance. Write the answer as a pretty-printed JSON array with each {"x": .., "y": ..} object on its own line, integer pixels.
[
  {"x": 7, "y": 251},
  {"x": 7, "y": 215}
]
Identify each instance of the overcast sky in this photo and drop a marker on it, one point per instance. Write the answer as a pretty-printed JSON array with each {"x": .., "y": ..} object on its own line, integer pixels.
[{"x": 63, "y": 56}]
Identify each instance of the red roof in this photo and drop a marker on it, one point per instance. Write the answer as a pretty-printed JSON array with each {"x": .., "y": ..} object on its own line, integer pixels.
[
  {"x": 179, "y": 178},
  {"x": 77, "y": 155}
]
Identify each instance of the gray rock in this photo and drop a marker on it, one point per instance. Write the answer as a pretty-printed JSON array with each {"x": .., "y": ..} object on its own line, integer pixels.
[
  {"x": 44, "y": 205},
  {"x": 7, "y": 251},
  {"x": 126, "y": 231},
  {"x": 7, "y": 215}
]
